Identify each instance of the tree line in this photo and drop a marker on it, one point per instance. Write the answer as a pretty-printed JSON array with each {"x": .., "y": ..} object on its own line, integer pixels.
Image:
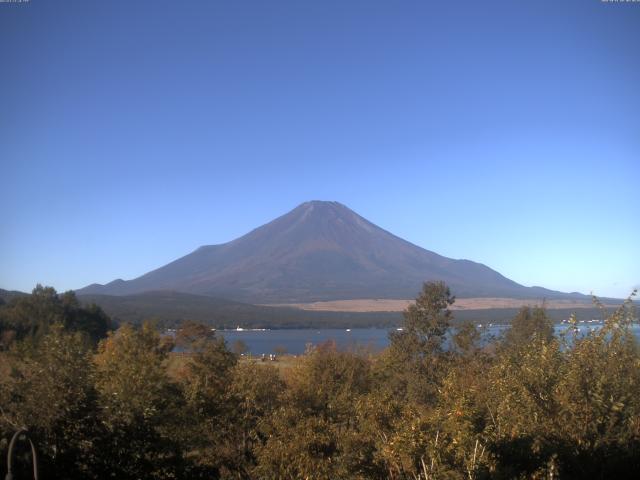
[{"x": 101, "y": 402}]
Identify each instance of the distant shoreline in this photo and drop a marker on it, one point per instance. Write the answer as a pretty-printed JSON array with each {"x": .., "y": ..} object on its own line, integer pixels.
[{"x": 398, "y": 305}]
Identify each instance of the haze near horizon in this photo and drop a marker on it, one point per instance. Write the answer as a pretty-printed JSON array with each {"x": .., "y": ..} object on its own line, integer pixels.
[{"x": 503, "y": 133}]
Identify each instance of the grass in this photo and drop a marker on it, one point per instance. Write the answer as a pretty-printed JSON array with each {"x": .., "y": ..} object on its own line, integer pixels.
[{"x": 177, "y": 361}]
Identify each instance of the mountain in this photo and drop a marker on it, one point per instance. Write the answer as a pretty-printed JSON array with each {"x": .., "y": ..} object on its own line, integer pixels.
[
  {"x": 8, "y": 295},
  {"x": 319, "y": 251}
]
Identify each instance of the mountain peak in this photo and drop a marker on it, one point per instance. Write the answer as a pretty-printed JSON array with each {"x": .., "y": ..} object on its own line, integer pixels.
[
  {"x": 321, "y": 203},
  {"x": 322, "y": 206}
]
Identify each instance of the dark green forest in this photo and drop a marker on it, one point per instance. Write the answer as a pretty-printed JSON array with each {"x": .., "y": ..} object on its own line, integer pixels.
[{"x": 106, "y": 401}]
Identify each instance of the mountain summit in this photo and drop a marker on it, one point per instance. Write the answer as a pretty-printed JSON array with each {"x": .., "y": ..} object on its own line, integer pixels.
[{"x": 318, "y": 251}]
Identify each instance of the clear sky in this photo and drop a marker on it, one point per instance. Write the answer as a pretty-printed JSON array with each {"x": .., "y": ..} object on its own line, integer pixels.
[{"x": 132, "y": 132}]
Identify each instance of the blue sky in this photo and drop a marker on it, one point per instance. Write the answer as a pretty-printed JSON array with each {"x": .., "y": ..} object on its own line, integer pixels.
[{"x": 132, "y": 132}]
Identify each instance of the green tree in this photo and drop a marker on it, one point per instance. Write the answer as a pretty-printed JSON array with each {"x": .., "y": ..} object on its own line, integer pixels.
[
  {"x": 49, "y": 391},
  {"x": 415, "y": 362},
  {"x": 90, "y": 318},
  {"x": 31, "y": 316},
  {"x": 528, "y": 324},
  {"x": 426, "y": 321}
]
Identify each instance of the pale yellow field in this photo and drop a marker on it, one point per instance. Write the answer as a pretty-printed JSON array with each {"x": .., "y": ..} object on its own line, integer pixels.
[{"x": 397, "y": 305}]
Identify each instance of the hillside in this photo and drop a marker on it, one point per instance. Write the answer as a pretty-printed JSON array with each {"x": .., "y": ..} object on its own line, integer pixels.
[
  {"x": 8, "y": 295},
  {"x": 171, "y": 308}
]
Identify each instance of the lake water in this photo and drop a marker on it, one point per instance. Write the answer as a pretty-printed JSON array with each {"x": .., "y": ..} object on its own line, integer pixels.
[{"x": 295, "y": 341}]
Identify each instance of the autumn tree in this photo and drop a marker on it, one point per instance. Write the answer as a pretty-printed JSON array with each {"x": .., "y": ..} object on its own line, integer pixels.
[
  {"x": 314, "y": 433},
  {"x": 240, "y": 347},
  {"x": 205, "y": 382},
  {"x": 256, "y": 393},
  {"x": 139, "y": 405},
  {"x": 193, "y": 336}
]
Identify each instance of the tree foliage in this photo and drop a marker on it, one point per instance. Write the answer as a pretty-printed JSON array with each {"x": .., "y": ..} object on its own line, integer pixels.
[
  {"x": 528, "y": 325},
  {"x": 438, "y": 403},
  {"x": 31, "y": 316}
]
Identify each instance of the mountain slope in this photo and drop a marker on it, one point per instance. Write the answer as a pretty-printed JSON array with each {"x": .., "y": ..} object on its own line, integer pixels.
[
  {"x": 318, "y": 251},
  {"x": 8, "y": 295}
]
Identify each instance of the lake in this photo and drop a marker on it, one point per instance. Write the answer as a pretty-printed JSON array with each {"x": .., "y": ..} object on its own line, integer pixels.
[{"x": 295, "y": 341}]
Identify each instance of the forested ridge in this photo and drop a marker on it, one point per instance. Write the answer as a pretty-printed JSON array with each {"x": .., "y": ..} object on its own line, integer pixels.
[{"x": 101, "y": 402}]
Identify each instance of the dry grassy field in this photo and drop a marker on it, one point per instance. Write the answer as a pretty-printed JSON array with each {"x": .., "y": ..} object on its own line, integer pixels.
[
  {"x": 397, "y": 305},
  {"x": 177, "y": 362}
]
